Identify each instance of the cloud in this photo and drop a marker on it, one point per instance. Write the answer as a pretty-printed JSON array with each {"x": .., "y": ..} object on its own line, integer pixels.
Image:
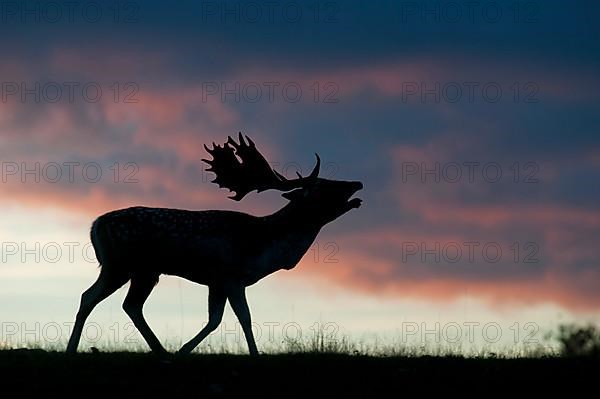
[
  {"x": 382, "y": 277},
  {"x": 548, "y": 253},
  {"x": 371, "y": 133}
]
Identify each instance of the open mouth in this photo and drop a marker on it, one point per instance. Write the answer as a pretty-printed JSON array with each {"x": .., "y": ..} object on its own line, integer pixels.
[{"x": 355, "y": 202}]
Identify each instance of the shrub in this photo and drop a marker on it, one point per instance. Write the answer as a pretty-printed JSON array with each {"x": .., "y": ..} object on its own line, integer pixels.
[{"x": 579, "y": 340}]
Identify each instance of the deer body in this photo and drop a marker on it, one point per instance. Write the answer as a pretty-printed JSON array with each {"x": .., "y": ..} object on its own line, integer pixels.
[
  {"x": 206, "y": 247},
  {"x": 225, "y": 250}
]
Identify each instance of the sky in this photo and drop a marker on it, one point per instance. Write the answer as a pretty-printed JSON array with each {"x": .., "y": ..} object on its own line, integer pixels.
[{"x": 474, "y": 127}]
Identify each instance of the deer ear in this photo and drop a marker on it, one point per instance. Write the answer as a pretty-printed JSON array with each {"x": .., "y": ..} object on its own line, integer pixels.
[{"x": 294, "y": 194}]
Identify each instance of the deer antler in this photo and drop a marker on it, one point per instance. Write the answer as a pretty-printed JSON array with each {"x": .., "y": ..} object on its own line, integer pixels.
[{"x": 252, "y": 173}]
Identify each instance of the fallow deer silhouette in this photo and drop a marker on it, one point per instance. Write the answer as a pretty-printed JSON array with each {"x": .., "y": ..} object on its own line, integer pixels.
[{"x": 225, "y": 250}]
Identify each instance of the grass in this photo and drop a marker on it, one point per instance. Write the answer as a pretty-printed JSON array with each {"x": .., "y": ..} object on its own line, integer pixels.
[
  {"x": 33, "y": 372},
  {"x": 319, "y": 343},
  {"x": 316, "y": 367}
]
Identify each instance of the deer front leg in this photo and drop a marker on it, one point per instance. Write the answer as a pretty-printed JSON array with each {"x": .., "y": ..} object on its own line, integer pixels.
[
  {"x": 237, "y": 299},
  {"x": 216, "y": 306}
]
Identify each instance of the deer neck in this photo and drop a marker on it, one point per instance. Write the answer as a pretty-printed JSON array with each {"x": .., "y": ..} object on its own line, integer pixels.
[
  {"x": 296, "y": 217},
  {"x": 293, "y": 231}
]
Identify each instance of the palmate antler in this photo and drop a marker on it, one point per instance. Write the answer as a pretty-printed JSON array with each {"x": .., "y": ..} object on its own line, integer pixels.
[{"x": 253, "y": 172}]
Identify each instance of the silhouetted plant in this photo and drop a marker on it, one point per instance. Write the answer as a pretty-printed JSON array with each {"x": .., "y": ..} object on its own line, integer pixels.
[{"x": 579, "y": 340}]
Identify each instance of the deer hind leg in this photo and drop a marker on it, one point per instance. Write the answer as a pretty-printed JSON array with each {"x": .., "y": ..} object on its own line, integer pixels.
[
  {"x": 216, "y": 306},
  {"x": 107, "y": 283},
  {"x": 237, "y": 299},
  {"x": 139, "y": 290}
]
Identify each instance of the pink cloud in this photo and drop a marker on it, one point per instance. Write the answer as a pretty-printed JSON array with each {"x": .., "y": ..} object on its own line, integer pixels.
[{"x": 379, "y": 277}]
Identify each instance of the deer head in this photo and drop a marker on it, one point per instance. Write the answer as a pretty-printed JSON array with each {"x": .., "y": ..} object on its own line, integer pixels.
[{"x": 325, "y": 199}]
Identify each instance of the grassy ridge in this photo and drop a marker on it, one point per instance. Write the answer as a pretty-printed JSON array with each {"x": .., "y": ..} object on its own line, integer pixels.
[{"x": 55, "y": 374}]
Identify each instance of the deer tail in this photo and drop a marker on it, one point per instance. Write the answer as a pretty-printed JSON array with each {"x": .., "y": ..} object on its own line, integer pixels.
[{"x": 99, "y": 235}]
